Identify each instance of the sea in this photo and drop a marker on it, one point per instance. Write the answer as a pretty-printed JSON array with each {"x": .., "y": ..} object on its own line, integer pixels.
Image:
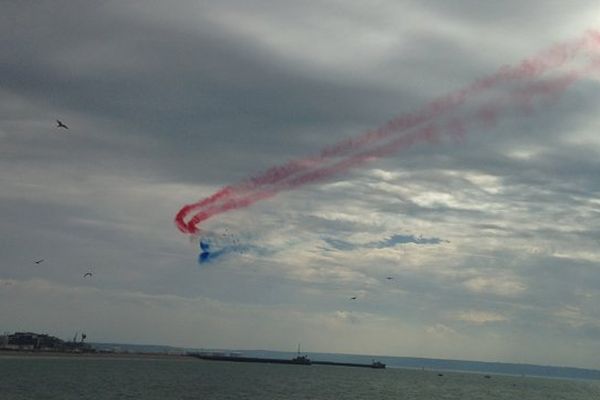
[{"x": 30, "y": 377}]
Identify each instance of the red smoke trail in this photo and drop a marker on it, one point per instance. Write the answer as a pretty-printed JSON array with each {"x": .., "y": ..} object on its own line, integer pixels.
[{"x": 298, "y": 172}]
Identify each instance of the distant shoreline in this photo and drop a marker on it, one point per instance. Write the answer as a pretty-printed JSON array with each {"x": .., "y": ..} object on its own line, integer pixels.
[{"x": 93, "y": 356}]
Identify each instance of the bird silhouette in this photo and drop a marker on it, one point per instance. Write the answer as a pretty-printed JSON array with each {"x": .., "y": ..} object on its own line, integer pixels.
[
  {"x": 87, "y": 274},
  {"x": 389, "y": 278},
  {"x": 60, "y": 124},
  {"x": 353, "y": 298},
  {"x": 39, "y": 261}
]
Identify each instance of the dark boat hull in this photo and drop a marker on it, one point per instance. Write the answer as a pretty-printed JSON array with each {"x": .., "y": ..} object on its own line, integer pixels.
[{"x": 294, "y": 361}]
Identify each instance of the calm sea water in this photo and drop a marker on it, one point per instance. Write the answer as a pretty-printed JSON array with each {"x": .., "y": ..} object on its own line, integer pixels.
[{"x": 43, "y": 378}]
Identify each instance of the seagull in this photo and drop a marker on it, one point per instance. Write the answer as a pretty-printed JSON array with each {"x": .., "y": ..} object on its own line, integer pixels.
[
  {"x": 39, "y": 261},
  {"x": 60, "y": 124},
  {"x": 87, "y": 274}
]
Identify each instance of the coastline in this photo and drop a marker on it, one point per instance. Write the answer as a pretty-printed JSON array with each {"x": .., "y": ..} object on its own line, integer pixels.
[{"x": 4, "y": 354}]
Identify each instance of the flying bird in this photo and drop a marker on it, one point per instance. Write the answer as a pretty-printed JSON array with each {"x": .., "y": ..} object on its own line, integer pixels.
[
  {"x": 60, "y": 124},
  {"x": 87, "y": 274},
  {"x": 39, "y": 261},
  {"x": 389, "y": 278},
  {"x": 353, "y": 298}
]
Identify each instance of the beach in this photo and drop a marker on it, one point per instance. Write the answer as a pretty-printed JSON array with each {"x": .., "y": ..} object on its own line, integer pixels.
[{"x": 8, "y": 354}]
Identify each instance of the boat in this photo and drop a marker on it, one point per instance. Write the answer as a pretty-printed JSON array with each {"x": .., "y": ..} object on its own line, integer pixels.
[
  {"x": 304, "y": 360},
  {"x": 300, "y": 359}
]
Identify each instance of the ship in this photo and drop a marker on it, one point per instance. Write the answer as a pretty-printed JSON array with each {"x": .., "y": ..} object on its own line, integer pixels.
[{"x": 300, "y": 359}]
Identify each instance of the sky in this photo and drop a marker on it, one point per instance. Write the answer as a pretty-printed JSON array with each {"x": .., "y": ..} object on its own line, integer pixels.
[{"x": 490, "y": 236}]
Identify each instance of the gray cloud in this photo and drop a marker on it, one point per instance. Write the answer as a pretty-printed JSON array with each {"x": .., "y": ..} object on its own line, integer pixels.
[{"x": 381, "y": 244}]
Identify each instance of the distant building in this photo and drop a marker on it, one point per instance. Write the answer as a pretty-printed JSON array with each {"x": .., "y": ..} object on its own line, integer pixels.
[{"x": 30, "y": 341}]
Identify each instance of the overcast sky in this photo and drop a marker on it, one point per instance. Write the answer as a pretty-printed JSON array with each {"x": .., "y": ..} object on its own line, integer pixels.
[{"x": 491, "y": 240}]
